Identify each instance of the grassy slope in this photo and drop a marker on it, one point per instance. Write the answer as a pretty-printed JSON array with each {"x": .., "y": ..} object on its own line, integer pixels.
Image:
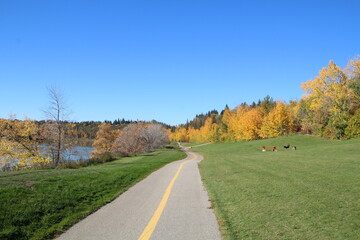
[
  {"x": 39, "y": 204},
  {"x": 311, "y": 193},
  {"x": 189, "y": 144}
]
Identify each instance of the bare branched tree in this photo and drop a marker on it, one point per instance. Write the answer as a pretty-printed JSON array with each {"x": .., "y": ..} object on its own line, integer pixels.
[
  {"x": 128, "y": 141},
  {"x": 140, "y": 138},
  {"x": 54, "y": 133},
  {"x": 154, "y": 136}
]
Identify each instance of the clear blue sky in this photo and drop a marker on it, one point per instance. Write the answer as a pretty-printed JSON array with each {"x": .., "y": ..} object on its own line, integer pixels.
[{"x": 166, "y": 60}]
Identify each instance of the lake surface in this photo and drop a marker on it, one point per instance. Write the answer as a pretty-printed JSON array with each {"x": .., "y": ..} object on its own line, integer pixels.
[{"x": 76, "y": 153}]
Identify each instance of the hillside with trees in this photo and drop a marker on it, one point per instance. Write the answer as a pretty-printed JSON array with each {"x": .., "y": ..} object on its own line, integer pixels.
[{"x": 329, "y": 108}]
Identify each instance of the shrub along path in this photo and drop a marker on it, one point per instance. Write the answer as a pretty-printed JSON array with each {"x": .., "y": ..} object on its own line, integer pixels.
[{"x": 41, "y": 203}]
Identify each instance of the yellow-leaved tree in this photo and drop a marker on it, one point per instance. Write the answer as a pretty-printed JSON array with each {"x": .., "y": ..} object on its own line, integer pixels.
[
  {"x": 330, "y": 99},
  {"x": 250, "y": 124},
  {"x": 228, "y": 131},
  {"x": 180, "y": 135},
  {"x": 279, "y": 122},
  {"x": 209, "y": 132},
  {"x": 232, "y": 119},
  {"x": 194, "y": 135},
  {"x": 20, "y": 144}
]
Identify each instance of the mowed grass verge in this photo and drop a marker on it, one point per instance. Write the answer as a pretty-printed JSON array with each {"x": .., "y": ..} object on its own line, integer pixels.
[
  {"x": 310, "y": 193},
  {"x": 40, "y": 204}
]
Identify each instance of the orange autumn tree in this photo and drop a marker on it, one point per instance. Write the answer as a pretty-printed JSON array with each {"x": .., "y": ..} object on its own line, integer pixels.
[
  {"x": 104, "y": 140},
  {"x": 250, "y": 124}
]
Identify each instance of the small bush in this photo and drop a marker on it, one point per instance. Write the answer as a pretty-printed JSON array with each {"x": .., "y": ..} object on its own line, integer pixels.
[{"x": 103, "y": 158}]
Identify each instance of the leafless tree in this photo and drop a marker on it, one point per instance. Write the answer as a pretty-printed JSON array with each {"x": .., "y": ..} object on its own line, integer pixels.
[
  {"x": 140, "y": 138},
  {"x": 154, "y": 136},
  {"x": 54, "y": 132},
  {"x": 128, "y": 141}
]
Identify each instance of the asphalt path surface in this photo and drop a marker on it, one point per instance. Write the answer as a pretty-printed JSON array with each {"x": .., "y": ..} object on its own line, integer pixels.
[{"x": 169, "y": 204}]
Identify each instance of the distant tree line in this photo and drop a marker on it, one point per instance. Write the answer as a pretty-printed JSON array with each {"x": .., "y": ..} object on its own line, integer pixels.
[
  {"x": 84, "y": 133},
  {"x": 329, "y": 108},
  {"x": 37, "y": 144},
  {"x": 21, "y": 140}
]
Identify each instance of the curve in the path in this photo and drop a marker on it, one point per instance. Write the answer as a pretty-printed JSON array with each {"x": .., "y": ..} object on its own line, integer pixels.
[{"x": 171, "y": 203}]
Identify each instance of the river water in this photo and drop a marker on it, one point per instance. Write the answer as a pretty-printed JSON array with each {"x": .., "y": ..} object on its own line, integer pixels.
[{"x": 78, "y": 154}]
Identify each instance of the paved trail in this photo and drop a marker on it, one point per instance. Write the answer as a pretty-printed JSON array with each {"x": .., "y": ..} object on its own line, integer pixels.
[{"x": 170, "y": 204}]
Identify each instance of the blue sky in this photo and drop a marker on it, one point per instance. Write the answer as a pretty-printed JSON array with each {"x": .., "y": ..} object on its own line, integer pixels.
[{"x": 166, "y": 60}]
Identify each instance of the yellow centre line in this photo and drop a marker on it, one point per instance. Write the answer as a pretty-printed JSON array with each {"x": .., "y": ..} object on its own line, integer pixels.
[{"x": 155, "y": 218}]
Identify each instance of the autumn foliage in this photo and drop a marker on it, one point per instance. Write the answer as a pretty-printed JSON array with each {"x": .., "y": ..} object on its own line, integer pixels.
[
  {"x": 244, "y": 123},
  {"x": 329, "y": 108},
  {"x": 20, "y": 145},
  {"x": 134, "y": 138},
  {"x": 105, "y": 138}
]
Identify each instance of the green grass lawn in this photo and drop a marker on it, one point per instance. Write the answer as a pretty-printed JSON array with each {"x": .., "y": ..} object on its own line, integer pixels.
[
  {"x": 189, "y": 144},
  {"x": 39, "y": 204},
  {"x": 310, "y": 193}
]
